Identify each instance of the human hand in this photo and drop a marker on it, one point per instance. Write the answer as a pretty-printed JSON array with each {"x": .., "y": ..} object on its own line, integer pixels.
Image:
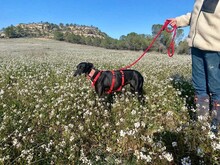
[{"x": 173, "y": 21}]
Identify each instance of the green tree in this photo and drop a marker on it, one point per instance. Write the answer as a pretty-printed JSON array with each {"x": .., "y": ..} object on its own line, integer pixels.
[
  {"x": 58, "y": 35},
  {"x": 183, "y": 47},
  {"x": 20, "y": 32},
  {"x": 61, "y": 25},
  {"x": 10, "y": 32},
  {"x": 70, "y": 37},
  {"x": 133, "y": 41},
  {"x": 88, "y": 40},
  {"x": 179, "y": 35}
]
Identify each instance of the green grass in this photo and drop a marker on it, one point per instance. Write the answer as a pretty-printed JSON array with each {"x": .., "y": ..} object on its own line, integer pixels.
[{"x": 47, "y": 116}]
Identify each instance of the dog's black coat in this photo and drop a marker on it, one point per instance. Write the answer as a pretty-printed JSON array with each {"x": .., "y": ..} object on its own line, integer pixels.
[{"x": 103, "y": 84}]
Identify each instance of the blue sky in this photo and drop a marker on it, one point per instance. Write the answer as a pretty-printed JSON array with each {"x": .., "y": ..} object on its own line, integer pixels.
[{"x": 114, "y": 17}]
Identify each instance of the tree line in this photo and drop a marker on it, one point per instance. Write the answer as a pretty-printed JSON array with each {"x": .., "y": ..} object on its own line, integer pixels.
[{"x": 131, "y": 41}]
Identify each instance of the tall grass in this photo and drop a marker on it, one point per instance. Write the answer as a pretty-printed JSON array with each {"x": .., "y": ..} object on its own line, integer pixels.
[{"x": 47, "y": 116}]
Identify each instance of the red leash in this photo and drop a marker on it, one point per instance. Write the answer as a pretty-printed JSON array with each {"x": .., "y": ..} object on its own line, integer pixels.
[{"x": 170, "y": 50}]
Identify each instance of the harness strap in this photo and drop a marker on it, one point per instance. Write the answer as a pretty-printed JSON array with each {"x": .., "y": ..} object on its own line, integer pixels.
[
  {"x": 113, "y": 82},
  {"x": 122, "y": 81},
  {"x": 96, "y": 78}
]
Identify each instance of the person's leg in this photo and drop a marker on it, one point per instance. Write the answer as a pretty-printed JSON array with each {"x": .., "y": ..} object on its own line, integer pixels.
[
  {"x": 215, "y": 117},
  {"x": 213, "y": 72},
  {"x": 212, "y": 60},
  {"x": 199, "y": 81}
]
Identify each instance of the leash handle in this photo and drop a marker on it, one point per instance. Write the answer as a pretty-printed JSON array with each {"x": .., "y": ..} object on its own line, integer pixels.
[
  {"x": 171, "y": 48},
  {"x": 165, "y": 26}
]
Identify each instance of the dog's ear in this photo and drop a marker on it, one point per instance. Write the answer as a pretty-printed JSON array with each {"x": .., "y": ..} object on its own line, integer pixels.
[{"x": 89, "y": 65}]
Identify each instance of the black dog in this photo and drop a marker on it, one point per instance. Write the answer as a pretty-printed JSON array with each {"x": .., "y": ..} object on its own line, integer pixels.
[{"x": 110, "y": 81}]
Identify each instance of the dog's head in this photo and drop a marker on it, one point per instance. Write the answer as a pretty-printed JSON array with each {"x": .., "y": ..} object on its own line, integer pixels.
[{"x": 83, "y": 68}]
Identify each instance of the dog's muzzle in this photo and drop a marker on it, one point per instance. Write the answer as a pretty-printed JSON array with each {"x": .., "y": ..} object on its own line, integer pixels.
[{"x": 75, "y": 73}]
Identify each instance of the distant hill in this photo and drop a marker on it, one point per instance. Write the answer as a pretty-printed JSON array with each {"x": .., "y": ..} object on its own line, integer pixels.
[
  {"x": 47, "y": 30},
  {"x": 90, "y": 35}
]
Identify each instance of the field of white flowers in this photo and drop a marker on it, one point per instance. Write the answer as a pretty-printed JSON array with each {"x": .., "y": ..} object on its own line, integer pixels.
[{"x": 47, "y": 116}]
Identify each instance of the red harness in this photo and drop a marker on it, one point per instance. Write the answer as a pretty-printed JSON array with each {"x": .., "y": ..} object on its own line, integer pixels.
[{"x": 111, "y": 89}]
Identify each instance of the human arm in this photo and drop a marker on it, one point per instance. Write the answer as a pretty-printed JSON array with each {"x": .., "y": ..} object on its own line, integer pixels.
[{"x": 181, "y": 21}]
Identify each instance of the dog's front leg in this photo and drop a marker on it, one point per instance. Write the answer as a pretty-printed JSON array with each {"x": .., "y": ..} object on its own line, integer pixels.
[
  {"x": 109, "y": 100},
  {"x": 105, "y": 99},
  {"x": 141, "y": 98},
  {"x": 99, "y": 90}
]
